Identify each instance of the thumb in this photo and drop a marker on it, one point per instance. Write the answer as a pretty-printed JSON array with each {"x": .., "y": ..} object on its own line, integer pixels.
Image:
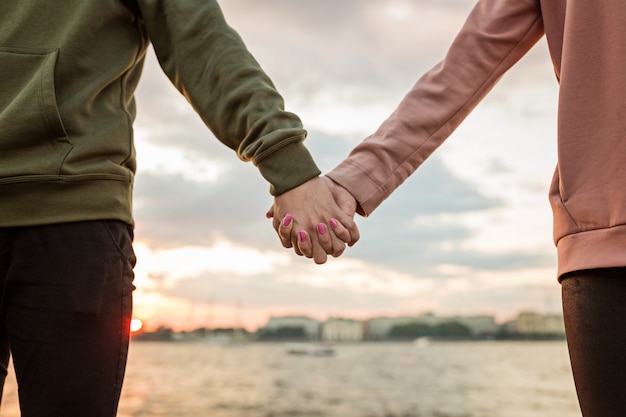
[{"x": 343, "y": 198}]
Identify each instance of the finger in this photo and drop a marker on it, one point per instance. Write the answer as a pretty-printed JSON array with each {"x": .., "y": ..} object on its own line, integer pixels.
[
  {"x": 339, "y": 230},
  {"x": 325, "y": 238},
  {"x": 319, "y": 253},
  {"x": 340, "y": 235},
  {"x": 336, "y": 246},
  {"x": 276, "y": 226},
  {"x": 356, "y": 235},
  {"x": 284, "y": 231},
  {"x": 295, "y": 242},
  {"x": 349, "y": 224},
  {"x": 304, "y": 244}
]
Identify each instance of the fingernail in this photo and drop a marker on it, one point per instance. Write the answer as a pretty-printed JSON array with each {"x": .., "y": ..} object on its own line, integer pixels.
[
  {"x": 321, "y": 228},
  {"x": 302, "y": 236},
  {"x": 333, "y": 223},
  {"x": 287, "y": 220}
]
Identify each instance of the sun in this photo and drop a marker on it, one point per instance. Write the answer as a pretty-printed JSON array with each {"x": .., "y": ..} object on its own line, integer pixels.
[{"x": 135, "y": 325}]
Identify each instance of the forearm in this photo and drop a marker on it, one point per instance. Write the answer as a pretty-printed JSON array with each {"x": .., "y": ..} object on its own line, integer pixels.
[
  {"x": 495, "y": 36},
  {"x": 210, "y": 65}
]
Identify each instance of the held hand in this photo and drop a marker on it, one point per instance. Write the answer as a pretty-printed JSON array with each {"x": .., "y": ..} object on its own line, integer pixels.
[
  {"x": 305, "y": 216},
  {"x": 348, "y": 204},
  {"x": 305, "y": 244}
]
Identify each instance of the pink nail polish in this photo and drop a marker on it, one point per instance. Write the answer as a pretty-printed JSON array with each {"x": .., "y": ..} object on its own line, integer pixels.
[
  {"x": 321, "y": 228},
  {"x": 302, "y": 236},
  {"x": 287, "y": 220},
  {"x": 334, "y": 223}
]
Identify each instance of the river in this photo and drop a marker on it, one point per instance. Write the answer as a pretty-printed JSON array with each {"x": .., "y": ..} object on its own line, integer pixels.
[{"x": 435, "y": 379}]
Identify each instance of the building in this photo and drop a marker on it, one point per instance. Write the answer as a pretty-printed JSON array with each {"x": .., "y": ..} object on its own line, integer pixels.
[
  {"x": 338, "y": 329},
  {"x": 531, "y": 323},
  {"x": 310, "y": 327}
]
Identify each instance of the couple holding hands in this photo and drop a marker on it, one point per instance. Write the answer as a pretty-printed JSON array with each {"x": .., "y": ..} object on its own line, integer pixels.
[{"x": 67, "y": 164}]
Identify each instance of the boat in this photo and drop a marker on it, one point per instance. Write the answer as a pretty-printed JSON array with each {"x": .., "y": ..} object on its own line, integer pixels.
[
  {"x": 422, "y": 342},
  {"x": 309, "y": 349}
]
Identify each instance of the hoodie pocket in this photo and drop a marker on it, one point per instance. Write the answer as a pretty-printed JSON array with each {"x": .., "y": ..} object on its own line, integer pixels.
[{"x": 33, "y": 141}]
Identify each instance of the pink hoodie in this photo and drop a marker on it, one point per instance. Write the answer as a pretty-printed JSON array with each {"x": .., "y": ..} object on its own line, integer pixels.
[{"x": 587, "y": 43}]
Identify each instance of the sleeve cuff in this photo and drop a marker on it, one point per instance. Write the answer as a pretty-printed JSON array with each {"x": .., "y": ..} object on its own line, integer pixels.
[{"x": 288, "y": 167}]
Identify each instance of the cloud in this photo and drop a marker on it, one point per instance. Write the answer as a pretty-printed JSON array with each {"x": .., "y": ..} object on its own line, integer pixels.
[
  {"x": 304, "y": 288},
  {"x": 172, "y": 210},
  {"x": 347, "y": 288},
  {"x": 359, "y": 51},
  {"x": 365, "y": 50}
]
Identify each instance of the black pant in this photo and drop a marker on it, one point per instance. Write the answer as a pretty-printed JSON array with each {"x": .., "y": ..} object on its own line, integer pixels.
[
  {"x": 65, "y": 310},
  {"x": 594, "y": 308}
]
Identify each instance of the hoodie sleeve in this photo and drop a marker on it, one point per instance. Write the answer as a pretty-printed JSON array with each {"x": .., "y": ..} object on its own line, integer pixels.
[
  {"x": 210, "y": 65},
  {"x": 495, "y": 36}
]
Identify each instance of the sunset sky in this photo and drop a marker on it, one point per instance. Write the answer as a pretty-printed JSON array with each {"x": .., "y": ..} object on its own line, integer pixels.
[{"x": 469, "y": 233}]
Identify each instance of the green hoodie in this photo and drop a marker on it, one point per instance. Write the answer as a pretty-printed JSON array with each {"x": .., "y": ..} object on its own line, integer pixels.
[{"x": 68, "y": 72}]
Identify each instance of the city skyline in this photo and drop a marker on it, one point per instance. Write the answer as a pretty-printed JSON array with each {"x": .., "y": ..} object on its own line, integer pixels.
[{"x": 528, "y": 323}]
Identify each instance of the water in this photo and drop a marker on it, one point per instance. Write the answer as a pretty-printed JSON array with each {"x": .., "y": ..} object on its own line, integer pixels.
[{"x": 439, "y": 379}]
